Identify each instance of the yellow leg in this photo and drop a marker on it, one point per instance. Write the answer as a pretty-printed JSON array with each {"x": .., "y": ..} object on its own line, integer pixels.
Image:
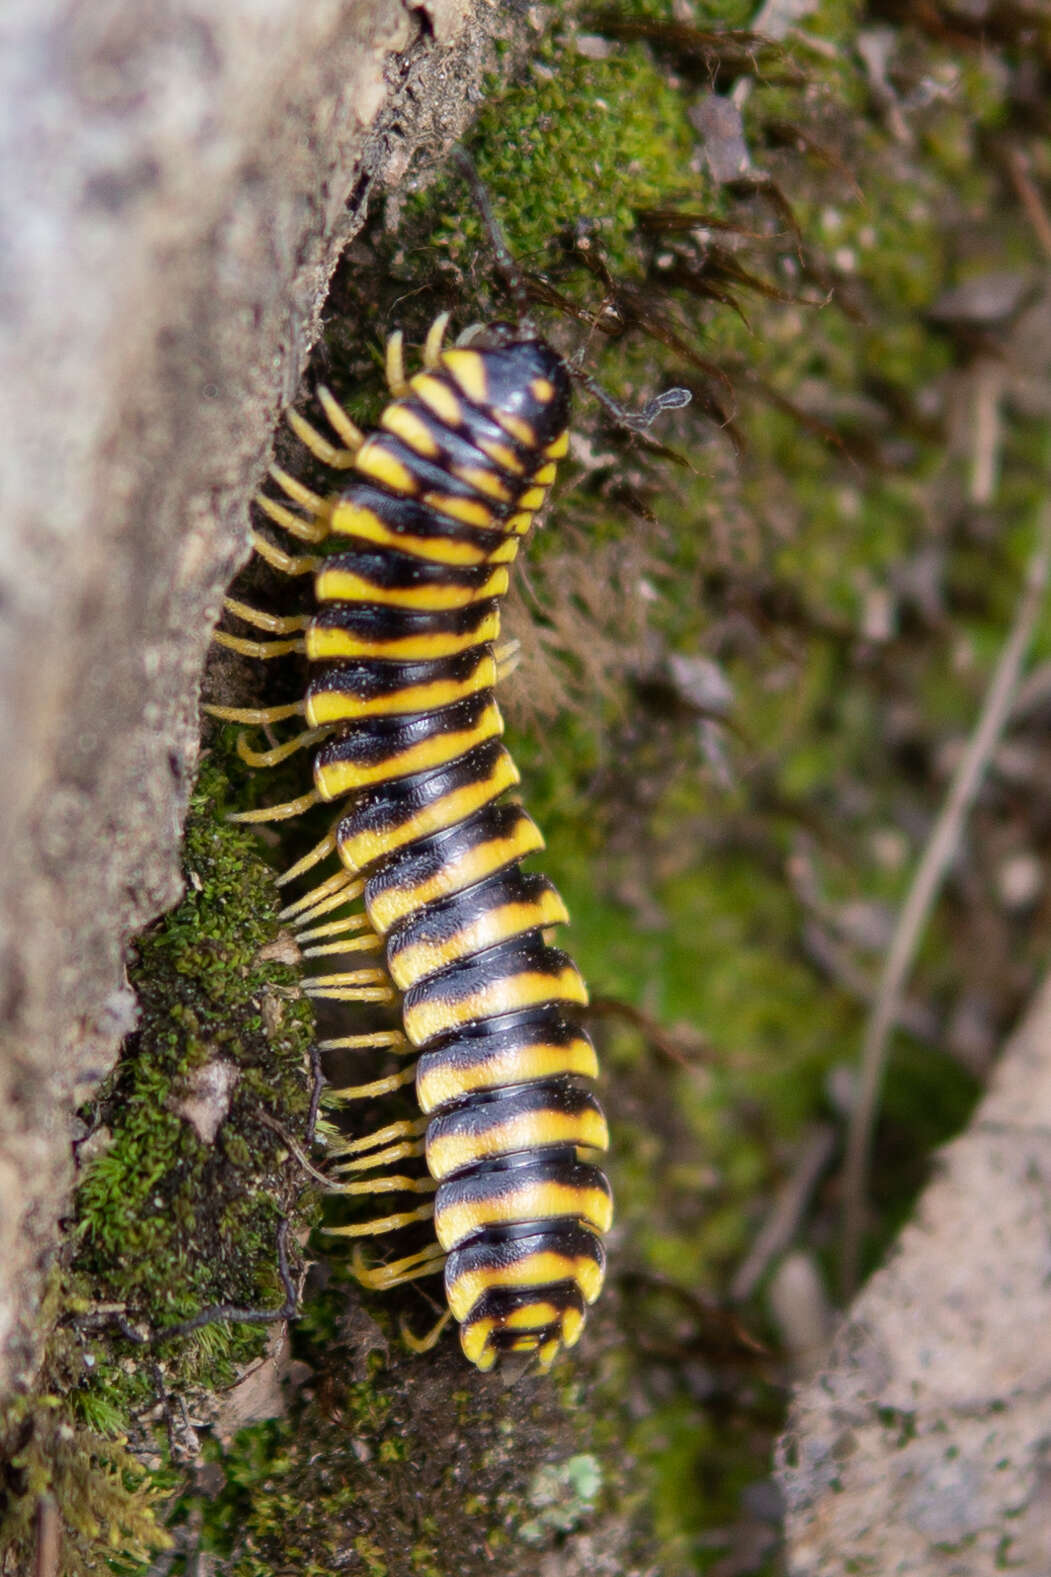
[
  {"x": 336, "y": 901},
  {"x": 432, "y": 345},
  {"x": 291, "y": 807},
  {"x": 432, "y": 1337},
  {"x": 319, "y": 852},
  {"x": 352, "y": 922},
  {"x": 322, "y": 900},
  {"x": 373, "y": 1228},
  {"x": 380, "y": 1039},
  {"x": 263, "y": 649},
  {"x": 353, "y": 944},
  {"x": 320, "y": 448},
  {"x": 427, "y": 1262},
  {"x": 295, "y": 525},
  {"x": 256, "y": 716},
  {"x": 306, "y": 498},
  {"x": 351, "y": 985},
  {"x": 287, "y": 563},
  {"x": 386, "y": 1185},
  {"x": 351, "y": 435},
  {"x": 273, "y": 623},
  {"x": 384, "y": 1158},
  {"x": 396, "y": 365},
  {"x": 368, "y": 1092},
  {"x": 279, "y": 753},
  {"x": 407, "y": 1128}
]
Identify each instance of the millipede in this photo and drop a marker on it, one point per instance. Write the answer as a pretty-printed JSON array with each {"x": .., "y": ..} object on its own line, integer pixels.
[{"x": 410, "y": 561}]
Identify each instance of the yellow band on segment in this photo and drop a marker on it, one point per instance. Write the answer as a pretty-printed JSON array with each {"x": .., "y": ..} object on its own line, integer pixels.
[
  {"x": 353, "y": 520},
  {"x": 336, "y": 706},
  {"x": 335, "y": 779},
  {"x": 518, "y": 427},
  {"x": 468, "y": 370},
  {"x": 324, "y": 642},
  {"x": 483, "y": 481},
  {"x": 468, "y": 511},
  {"x": 501, "y": 454},
  {"x": 396, "y": 903},
  {"x": 509, "y": 994},
  {"x": 411, "y": 964},
  {"x": 437, "y": 1085},
  {"x": 375, "y": 461},
  {"x": 436, "y": 394},
  {"x": 452, "y": 1152},
  {"x": 535, "y": 1199},
  {"x": 361, "y": 850},
  {"x": 339, "y": 585},
  {"x": 411, "y": 429},
  {"x": 536, "y": 1270}
]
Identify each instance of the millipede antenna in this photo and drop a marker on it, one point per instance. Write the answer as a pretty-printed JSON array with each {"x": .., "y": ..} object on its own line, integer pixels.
[
  {"x": 505, "y": 263},
  {"x": 633, "y": 421}
]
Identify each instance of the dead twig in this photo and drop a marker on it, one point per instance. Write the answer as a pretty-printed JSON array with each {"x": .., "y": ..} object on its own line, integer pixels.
[
  {"x": 937, "y": 857},
  {"x": 783, "y": 1221},
  {"x": 1018, "y": 168}
]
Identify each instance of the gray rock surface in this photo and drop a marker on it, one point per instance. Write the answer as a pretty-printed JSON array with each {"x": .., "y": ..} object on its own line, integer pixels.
[{"x": 923, "y": 1447}]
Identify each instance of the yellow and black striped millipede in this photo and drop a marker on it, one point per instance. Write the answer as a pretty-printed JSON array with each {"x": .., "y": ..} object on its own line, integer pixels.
[{"x": 404, "y": 653}]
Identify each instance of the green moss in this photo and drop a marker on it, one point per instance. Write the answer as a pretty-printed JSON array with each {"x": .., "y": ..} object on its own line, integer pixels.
[
  {"x": 544, "y": 162},
  {"x": 168, "y": 1223}
]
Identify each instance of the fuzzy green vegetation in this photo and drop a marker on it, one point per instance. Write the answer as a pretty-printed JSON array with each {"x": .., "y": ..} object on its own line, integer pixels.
[
  {"x": 548, "y": 164},
  {"x": 172, "y": 1217},
  {"x": 67, "y": 1477}
]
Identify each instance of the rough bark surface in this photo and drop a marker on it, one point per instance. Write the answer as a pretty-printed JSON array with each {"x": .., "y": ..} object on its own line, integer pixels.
[
  {"x": 922, "y": 1447},
  {"x": 176, "y": 184}
]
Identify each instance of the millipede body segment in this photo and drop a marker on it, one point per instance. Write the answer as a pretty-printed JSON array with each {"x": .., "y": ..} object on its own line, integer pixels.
[{"x": 404, "y": 655}]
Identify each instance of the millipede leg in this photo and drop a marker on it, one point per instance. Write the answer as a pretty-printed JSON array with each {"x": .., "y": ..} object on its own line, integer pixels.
[
  {"x": 384, "y": 1185},
  {"x": 380, "y": 1224},
  {"x": 368, "y": 1092},
  {"x": 353, "y": 944},
  {"x": 432, "y": 345},
  {"x": 295, "y": 525},
  {"x": 255, "y": 716},
  {"x": 351, "y": 985},
  {"x": 407, "y": 1128},
  {"x": 263, "y": 649},
  {"x": 320, "y": 448},
  {"x": 352, "y": 922},
  {"x": 306, "y": 498},
  {"x": 343, "y": 895},
  {"x": 378, "y": 1278},
  {"x": 313, "y": 857},
  {"x": 291, "y": 807},
  {"x": 395, "y": 360},
  {"x": 380, "y": 1039},
  {"x": 351, "y": 435},
  {"x": 279, "y": 753},
  {"x": 430, "y": 1340},
  {"x": 274, "y": 623},
  {"x": 287, "y": 563}
]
